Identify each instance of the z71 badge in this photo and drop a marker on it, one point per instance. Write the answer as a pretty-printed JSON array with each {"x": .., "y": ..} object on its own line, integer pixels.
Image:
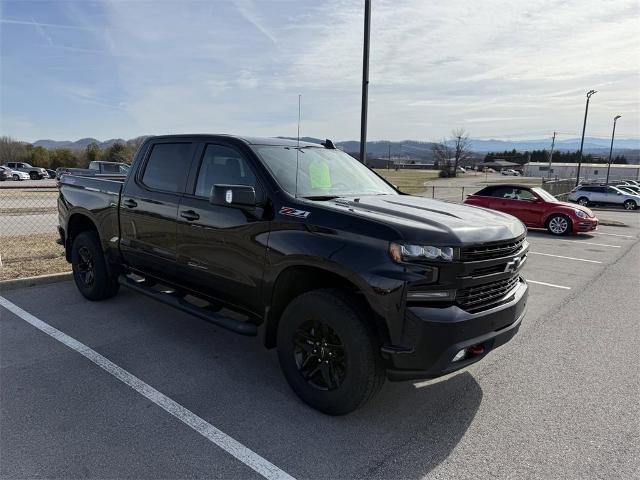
[{"x": 292, "y": 212}]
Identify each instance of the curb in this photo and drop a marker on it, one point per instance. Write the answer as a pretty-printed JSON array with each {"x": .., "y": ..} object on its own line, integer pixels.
[{"x": 34, "y": 281}]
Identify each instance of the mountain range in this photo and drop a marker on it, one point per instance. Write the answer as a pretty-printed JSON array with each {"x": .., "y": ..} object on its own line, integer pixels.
[{"x": 414, "y": 148}]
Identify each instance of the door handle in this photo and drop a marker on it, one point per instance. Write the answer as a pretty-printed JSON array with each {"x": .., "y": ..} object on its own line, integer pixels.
[
  {"x": 129, "y": 203},
  {"x": 189, "y": 215}
]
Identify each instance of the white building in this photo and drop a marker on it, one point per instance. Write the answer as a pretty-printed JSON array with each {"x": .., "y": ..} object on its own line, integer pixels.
[{"x": 588, "y": 171}]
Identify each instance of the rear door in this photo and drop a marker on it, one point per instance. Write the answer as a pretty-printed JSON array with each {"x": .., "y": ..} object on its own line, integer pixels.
[
  {"x": 222, "y": 249},
  {"x": 149, "y": 207}
]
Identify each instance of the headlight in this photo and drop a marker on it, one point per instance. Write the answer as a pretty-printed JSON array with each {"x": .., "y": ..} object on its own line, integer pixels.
[
  {"x": 581, "y": 214},
  {"x": 407, "y": 253}
]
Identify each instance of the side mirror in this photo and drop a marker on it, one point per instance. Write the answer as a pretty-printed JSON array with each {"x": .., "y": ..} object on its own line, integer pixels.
[{"x": 233, "y": 196}]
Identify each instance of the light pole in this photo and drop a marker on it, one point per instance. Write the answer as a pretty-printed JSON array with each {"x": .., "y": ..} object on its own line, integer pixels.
[
  {"x": 553, "y": 142},
  {"x": 613, "y": 134},
  {"x": 584, "y": 126},
  {"x": 365, "y": 82}
]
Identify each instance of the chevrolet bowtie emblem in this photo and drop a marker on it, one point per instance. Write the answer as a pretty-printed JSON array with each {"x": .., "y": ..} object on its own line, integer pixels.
[{"x": 513, "y": 265}]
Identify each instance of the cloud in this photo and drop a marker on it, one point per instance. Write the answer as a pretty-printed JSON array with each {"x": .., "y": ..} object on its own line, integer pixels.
[
  {"x": 248, "y": 10},
  {"x": 491, "y": 67},
  {"x": 43, "y": 33}
]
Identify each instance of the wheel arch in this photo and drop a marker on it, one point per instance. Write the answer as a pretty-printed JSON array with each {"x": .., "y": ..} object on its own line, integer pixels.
[
  {"x": 77, "y": 223},
  {"x": 296, "y": 280}
]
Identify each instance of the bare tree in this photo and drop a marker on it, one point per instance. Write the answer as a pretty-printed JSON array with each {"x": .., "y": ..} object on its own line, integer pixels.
[
  {"x": 442, "y": 154},
  {"x": 452, "y": 151},
  {"x": 461, "y": 147}
]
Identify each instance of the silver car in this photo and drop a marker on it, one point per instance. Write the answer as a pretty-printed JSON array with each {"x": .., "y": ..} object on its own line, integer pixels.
[{"x": 603, "y": 195}]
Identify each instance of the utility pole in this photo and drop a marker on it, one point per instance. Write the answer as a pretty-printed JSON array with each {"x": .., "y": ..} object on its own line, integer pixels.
[
  {"x": 553, "y": 141},
  {"x": 584, "y": 126},
  {"x": 365, "y": 82},
  {"x": 615, "y": 119}
]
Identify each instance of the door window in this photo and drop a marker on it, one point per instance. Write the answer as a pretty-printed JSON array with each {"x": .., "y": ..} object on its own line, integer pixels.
[
  {"x": 168, "y": 166},
  {"x": 222, "y": 165},
  {"x": 505, "y": 192}
]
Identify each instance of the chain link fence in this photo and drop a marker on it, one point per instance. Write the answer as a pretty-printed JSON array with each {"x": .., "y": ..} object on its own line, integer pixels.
[{"x": 28, "y": 233}]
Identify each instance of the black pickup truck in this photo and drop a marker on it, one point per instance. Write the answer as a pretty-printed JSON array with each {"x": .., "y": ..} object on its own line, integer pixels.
[{"x": 302, "y": 245}]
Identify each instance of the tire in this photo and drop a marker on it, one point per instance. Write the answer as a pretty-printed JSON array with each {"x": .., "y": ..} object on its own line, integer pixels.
[
  {"x": 559, "y": 224},
  {"x": 630, "y": 205},
  {"x": 354, "y": 370},
  {"x": 90, "y": 271},
  {"x": 16, "y": 178},
  {"x": 33, "y": 175},
  {"x": 584, "y": 201}
]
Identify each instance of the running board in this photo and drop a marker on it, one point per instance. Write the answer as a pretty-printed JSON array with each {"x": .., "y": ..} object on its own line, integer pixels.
[{"x": 237, "y": 326}]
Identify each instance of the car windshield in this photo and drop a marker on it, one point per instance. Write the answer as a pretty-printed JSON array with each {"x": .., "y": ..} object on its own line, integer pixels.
[
  {"x": 322, "y": 173},
  {"x": 544, "y": 195}
]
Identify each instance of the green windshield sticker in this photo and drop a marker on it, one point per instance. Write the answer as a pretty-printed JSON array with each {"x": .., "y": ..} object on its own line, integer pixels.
[{"x": 319, "y": 174}]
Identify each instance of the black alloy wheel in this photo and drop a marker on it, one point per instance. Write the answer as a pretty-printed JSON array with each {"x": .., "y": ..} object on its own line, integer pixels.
[
  {"x": 86, "y": 270},
  {"x": 320, "y": 355}
]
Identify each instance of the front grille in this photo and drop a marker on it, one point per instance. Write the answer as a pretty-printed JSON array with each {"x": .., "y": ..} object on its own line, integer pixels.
[
  {"x": 481, "y": 272},
  {"x": 491, "y": 250},
  {"x": 477, "y": 298}
]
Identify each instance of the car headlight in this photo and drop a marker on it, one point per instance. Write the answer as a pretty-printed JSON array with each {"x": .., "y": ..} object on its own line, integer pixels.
[
  {"x": 406, "y": 252},
  {"x": 581, "y": 214}
]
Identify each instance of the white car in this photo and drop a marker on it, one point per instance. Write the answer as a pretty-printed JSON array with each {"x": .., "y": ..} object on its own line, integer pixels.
[
  {"x": 510, "y": 172},
  {"x": 17, "y": 175},
  {"x": 587, "y": 195}
]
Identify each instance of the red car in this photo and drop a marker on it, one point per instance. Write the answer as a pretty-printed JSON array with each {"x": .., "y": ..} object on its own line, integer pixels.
[{"x": 536, "y": 208}]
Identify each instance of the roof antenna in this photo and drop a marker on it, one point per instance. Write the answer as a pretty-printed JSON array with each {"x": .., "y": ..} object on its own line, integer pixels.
[{"x": 298, "y": 146}]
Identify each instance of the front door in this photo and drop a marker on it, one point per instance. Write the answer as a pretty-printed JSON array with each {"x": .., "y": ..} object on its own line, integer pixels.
[{"x": 222, "y": 249}]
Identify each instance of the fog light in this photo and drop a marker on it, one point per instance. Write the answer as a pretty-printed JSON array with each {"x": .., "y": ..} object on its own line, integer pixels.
[
  {"x": 460, "y": 355},
  {"x": 433, "y": 295}
]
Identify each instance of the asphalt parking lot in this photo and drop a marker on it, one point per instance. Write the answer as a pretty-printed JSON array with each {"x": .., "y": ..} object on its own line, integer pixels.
[{"x": 559, "y": 401}]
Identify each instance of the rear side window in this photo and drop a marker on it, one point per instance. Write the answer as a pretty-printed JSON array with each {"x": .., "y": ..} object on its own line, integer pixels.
[
  {"x": 168, "y": 166},
  {"x": 504, "y": 192},
  {"x": 222, "y": 165},
  {"x": 485, "y": 192},
  {"x": 111, "y": 168}
]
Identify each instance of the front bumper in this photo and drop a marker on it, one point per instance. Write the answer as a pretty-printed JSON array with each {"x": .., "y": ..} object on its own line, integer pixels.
[
  {"x": 439, "y": 333},
  {"x": 584, "y": 224}
]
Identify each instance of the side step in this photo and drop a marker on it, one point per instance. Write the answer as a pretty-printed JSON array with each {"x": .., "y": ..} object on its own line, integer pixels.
[{"x": 237, "y": 326}]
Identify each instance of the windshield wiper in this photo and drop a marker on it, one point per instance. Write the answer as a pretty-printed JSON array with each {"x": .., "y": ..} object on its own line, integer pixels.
[{"x": 321, "y": 197}]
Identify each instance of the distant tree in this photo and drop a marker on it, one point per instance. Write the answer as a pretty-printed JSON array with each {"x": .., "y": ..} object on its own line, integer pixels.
[
  {"x": 39, "y": 157},
  {"x": 117, "y": 152},
  {"x": 12, "y": 150},
  {"x": 92, "y": 152},
  {"x": 62, "y": 157},
  {"x": 443, "y": 154},
  {"x": 451, "y": 152},
  {"x": 461, "y": 148}
]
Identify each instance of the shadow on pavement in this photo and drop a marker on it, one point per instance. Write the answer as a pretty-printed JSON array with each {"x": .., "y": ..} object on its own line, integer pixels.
[{"x": 233, "y": 383}]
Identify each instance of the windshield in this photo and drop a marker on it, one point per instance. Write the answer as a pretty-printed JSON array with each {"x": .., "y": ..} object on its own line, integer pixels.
[
  {"x": 321, "y": 172},
  {"x": 544, "y": 195}
]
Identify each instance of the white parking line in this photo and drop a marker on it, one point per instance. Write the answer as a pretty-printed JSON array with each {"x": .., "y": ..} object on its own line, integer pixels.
[
  {"x": 549, "y": 284},
  {"x": 562, "y": 256},
  {"x": 204, "y": 428},
  {"x": 614, "y": 234},
  {"x": 590, "y": 243}
]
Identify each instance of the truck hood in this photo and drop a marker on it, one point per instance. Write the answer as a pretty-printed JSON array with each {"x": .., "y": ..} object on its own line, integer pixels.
[{"x": 425, "y": 220}]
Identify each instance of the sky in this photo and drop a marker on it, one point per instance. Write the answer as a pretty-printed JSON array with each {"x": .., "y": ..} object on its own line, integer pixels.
[{"x": 499, "y": 69}]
